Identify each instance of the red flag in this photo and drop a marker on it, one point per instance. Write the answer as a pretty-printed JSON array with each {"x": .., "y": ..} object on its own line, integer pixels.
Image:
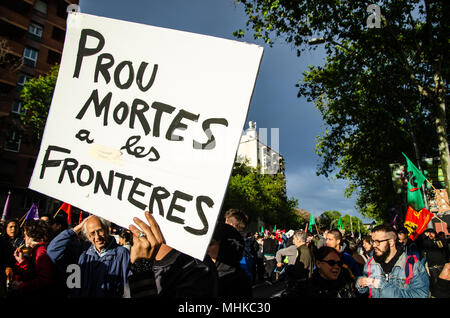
[
  {"x": 81, "y": 217},
  {"x": 68, "y": 209},
  {"x": 416, "y": 222}
]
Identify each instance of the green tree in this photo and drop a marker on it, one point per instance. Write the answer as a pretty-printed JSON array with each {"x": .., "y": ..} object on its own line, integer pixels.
[
  {"x": 8, "y": 62},
  {"x": 261, "y": 196},
  {"x": 381, "y": 91},
  {"x": 329, "y": 220},
  {"x": 37, "y": 96}
]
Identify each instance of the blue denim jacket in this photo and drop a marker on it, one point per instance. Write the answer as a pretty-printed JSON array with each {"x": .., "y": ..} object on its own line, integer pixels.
[{"x": 393, "y": 285}]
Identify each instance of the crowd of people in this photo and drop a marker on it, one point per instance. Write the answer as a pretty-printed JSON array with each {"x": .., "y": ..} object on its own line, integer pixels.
[
  {"x": 48, "y": 258},
  {"x": 384, "y": 264}
]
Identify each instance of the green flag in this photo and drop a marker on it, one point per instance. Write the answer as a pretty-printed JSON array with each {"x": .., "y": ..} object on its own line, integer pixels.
[
  {"x": 311, "y": 222},
  {"x": 262, "y": 230},
  {"x": 340, "y": 226},
  {"x": 415, "y": 181}
]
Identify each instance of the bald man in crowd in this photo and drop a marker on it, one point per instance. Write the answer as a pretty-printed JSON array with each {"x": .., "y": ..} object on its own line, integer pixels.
[{"x": 103, "y": 265}]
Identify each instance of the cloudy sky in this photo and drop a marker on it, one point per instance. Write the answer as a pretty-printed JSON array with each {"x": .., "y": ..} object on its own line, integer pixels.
[{"x": 274, "y": 104}]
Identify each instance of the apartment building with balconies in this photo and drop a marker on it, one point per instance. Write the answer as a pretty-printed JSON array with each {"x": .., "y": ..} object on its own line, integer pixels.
[{"x": 32, "y": 36}]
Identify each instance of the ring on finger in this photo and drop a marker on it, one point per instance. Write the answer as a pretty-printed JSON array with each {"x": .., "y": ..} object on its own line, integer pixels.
[{"x": 141, "y": 234}]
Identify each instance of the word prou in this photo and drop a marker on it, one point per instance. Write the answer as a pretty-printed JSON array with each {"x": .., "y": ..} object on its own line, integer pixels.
[
  {"x": 103, "y": 68},
  {"x": 84, "y": 176}
]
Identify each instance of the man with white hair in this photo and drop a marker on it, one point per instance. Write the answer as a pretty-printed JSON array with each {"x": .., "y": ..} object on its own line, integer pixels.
[
  {"x": 299, "y": 257},
  {"x": 103, "y": 264}
]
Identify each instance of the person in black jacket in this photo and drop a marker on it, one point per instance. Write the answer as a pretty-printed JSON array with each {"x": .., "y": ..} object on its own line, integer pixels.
[
  {"x": 174, "y": 274},
  {"x": 10, "y": 240},
  {"x": 239, "y": 220},
  {"x": 329, "y": 279},
  {"x": 12, "y": 235},
  {"x": 435, "y": 251},
  {"x": 270, "y": 247},
  {"x": 226, "y": 250},
  {"x": 442, "y": 286}
]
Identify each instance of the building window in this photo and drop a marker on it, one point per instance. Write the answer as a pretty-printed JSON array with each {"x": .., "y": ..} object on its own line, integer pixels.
[
  {"x": 30, "y": 56},
  {"x": 58, "y": 34},
  {"x": 35, "y": 31},
  {"x": 13, "y": 143},
  {"x": 61, "y": 9},
  {"x": 40, "y": 6},
  {"x": 53, "y": 57},
  {"x": 22, "y": 80},
  {"x": 17, "y": 107}
]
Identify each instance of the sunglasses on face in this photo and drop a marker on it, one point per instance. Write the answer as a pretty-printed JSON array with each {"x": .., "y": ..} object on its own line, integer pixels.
[{"x": 333, "y": 262}]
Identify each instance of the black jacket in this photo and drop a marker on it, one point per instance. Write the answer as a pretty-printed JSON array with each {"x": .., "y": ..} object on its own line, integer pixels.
[
  {"x": 270, "y": 246},
  {"x": 318, "y": 287},
  {"x": 435, "y": 251},
  {"x": 182, "y": 276},
  {"x": 233, "y": 280}
]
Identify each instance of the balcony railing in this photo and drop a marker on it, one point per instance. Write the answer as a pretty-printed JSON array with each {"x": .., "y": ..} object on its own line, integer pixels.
[{"x": 14, "y": 18}]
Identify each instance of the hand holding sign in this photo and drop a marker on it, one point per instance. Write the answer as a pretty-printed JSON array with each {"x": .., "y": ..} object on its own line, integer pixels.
[{"x": 146, "y": 244}]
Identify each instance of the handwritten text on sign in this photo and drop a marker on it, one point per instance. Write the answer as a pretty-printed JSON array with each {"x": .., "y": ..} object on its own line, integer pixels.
[{"x": 147, "y": 122}]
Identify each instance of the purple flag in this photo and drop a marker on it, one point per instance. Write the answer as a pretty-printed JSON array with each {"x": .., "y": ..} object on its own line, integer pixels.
[
  {"x": 394, "y": 225},
  {"x": 33, "y": 213},
  {"x": 5, "y": 214}
]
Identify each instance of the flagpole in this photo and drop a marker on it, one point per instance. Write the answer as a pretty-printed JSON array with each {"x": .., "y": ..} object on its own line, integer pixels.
[
  {"x": 23, "y": 220},
  {"x": 57, "y": 212},
  {"x": 434, "y": 215},
  {"x": 20, "y": 220},
  {"x": 24, "y": 217},
  {"x": 435, "y": 189},
  {"x": 351, "y": 225}
]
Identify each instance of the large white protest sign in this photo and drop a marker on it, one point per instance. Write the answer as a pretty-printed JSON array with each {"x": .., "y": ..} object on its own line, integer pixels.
[{"x": 146, "y": 119}]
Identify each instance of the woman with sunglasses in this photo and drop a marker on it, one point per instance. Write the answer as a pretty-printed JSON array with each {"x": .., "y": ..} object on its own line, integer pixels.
[{"x": 329, "y": 280}]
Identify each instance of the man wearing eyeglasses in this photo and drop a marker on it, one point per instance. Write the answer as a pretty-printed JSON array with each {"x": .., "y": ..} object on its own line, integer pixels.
[
  {"x": 385, "y": 276},
  {"x": 103, "y": 264}
]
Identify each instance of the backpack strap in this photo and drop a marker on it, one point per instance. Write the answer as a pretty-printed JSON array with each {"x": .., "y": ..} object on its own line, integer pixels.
[
  {"x": 409, "y": 265},
  {"x": 369, "y": 270}
]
